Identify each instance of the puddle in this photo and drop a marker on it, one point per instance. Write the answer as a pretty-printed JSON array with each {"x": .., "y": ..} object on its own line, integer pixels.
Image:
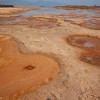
[
  {"x": 90, "y": 43},
  {"x": 43, "y": 10},
  {"x": 91, "y": 58},
  {"x": 72, "y": 15},
  {"x": 23, "y": 72},
  {"x": 78, "y": 14},
  {"x": 24, "y": 15},
  {"x": 84, "y": 18}
]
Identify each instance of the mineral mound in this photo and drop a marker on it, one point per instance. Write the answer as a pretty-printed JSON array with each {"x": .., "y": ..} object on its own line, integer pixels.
[{"x": 22, "y": 72}]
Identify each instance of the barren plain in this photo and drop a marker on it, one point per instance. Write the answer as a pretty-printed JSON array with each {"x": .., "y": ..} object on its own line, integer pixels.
[{"x": 50, "y": 56}]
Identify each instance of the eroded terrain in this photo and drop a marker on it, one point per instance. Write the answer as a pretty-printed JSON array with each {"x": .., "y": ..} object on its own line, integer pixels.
[
  {"x": 85, "y": 42},
  {"x": 20, "y": 72},
  {"x": 91, "y": 58},
  {"x": 90, "y": 44},
  {"x": 70, "y": 50},
  {"x": 40, "y": 22}
]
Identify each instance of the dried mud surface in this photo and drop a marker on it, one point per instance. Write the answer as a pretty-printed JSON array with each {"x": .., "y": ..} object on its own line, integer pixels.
[
  {"x": 88, "y": 18},
  {"x": 79, "y": 76},
  {"x": 85, "y": 42},
  {"x": 20, "y": 72},
  {"x": 91, "y": 44},
  {"x": 10, "y": 20},
  {"x": 91, "y": 24},
  {"x": 32, "y": 22},
  {"x": 91, "y": 58},
  {"x": 40, "y": 22}
]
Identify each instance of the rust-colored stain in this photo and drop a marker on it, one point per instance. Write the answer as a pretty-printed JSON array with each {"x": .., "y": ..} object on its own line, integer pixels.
[
  {"x": 40, "y": 22},
  {"x": 90, "y": 44},
  {"x": 90, "y": 24},
  {"x": 91, "y": 58},
  {"x": 85, "y": 42},
  {"x": 29, "y": 67},
  {"x": 10, "y": 20},
  {"x": 20, "y": 72}
]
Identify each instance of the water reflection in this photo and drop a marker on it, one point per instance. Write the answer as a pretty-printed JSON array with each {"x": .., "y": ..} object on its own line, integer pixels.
[{"x": 90, "y": 16}]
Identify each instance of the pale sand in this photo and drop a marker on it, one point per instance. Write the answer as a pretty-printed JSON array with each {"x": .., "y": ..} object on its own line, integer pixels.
[{"x": 15, "y": 10}]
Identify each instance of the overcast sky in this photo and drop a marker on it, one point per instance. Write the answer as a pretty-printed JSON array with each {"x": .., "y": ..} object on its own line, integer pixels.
[{"x": 50, "y": 2}]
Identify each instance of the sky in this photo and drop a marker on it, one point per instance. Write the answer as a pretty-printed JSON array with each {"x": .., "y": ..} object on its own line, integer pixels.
[{"x": 50, "y": 2}]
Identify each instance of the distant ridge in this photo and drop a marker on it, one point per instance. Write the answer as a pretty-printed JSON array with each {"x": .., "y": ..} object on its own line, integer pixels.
[
  {"x": 77, "y": 6},
  {"x": 6, "y": 6}
]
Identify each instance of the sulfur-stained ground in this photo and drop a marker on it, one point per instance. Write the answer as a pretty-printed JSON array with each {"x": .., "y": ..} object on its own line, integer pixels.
[{"x": 46, "y": 34}]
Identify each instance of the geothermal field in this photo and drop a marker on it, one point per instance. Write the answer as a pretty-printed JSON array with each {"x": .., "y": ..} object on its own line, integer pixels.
[{"x": 50, "y": 53}]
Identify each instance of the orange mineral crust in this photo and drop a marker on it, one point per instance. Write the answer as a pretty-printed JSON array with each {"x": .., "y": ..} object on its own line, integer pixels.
[
  {"x": 91, "y": 58},
  {"x": 85, "y": 42},
  {"x": 40, "y": 22},
  {"x": 23, "y": 72}
]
